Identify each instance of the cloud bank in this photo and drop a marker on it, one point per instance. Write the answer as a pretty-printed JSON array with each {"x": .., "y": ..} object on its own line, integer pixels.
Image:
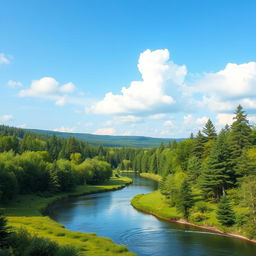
[{"x": 149, "y": 94}]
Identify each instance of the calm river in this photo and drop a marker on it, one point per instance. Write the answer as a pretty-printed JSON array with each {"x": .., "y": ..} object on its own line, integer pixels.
[{"x": 111, "y": 215}]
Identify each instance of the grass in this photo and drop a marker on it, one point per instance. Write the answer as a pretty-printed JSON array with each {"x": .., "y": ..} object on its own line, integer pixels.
[
  {"x": 156, "y": 204},
  {"x": 151, "y": 176},
  {"x": 26, "y": 212}
]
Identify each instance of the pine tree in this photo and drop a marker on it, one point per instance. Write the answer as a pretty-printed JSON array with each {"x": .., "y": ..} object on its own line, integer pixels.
[
  {"x": 198, "y": 149},
  {"x": 225, "y": 213},
  {"x": 209, "y": 130},
  {"x": 185, "y": 199},
  {"x": 4, "y": 232},
  {"x": 218, "y": 174},
  {"x": 240, "y": 134}
]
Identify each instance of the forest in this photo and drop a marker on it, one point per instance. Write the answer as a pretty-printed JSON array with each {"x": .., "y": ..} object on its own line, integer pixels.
[{"x": 209, "y": 167}]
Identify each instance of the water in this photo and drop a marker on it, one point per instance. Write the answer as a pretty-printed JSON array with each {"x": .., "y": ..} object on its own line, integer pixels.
[{"x": 111, "y": 215}]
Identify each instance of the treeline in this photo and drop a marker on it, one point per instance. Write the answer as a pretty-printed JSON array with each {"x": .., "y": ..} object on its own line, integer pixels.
[
  {"x": 209, "y": 167},
  {"x": 31, "y": 163}
]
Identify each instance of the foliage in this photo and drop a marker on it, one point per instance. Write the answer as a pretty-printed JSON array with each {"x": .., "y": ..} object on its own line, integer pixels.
[{"x": 225, "y": 213}]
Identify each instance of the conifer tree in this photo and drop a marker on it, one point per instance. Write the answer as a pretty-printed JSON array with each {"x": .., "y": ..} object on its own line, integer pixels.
[
  {"x": 198, "y": 149},
  {"x": 209, "y": 130},
  {"x": 240, "y": 133},
  {"x": 4, "y": 232},
  {"x": 184, "y": 200},
  {"x": 218, "y": 174},
  {"x": 225, "y": 213}
]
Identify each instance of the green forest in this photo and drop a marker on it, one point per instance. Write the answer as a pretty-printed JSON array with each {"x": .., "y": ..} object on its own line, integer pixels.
[{"x": 206, "y": 177}]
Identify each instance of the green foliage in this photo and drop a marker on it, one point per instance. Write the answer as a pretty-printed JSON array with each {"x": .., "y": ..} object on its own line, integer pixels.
[
  {"x": 225, "y": 213},
  {"x": 209, "y": 130},
  {"x": 4, "y": 232},
  {"x": 184, "y": 199}
]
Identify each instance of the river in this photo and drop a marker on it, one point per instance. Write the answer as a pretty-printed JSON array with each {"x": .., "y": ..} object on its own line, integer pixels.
[{"x": 111, "y": 215}]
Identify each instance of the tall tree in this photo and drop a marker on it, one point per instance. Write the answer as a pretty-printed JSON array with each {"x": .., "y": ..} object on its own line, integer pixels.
[
  {"x": 240, "y": 135},
  {"x": 209, "y": 130},
  {"x": 185, "y": 200},
  {"x": 217, "y": 175},
  {"x": 225, "y": 213},
  {"x": 198, "y": 149}
]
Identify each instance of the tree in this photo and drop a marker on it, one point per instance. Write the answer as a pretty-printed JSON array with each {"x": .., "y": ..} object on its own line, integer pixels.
[
  {"x": 4, "y": 232},
  {"x": 185, "y": 199},
  {"x": 225, "y": 213},
  {"x": 198, "y": 149},
  {"x": 240, "y": 135},
  {"x": 248, "y": 191},
  {"x": 217, "y": 174},
  {"x": 209, "y": 130}
]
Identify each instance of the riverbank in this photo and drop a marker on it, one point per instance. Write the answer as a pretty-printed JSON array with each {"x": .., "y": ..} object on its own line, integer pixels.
[
  {"x": 26, "y": 211},
  {"x": 155, "y": 204},
  {"x": 151, "y": 176}
]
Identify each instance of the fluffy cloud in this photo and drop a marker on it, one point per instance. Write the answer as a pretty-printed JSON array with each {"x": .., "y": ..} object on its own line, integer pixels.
[
  {"x": 49, "y": 88},
  {"x": 225, "y": 89},
  {"x": 14, "y": 84},
  {"x": 148, "y": 95},
  {"x": 224, "y": 118},
  {"x": 201, "y": 120},
  {"x": 64, "y": 129},
  {"x": 105, "y": 131},
  {"x": 4, "y": 59},
  {"x": 6, "y": 118}
]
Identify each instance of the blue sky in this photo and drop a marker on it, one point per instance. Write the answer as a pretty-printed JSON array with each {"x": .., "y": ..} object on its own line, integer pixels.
[{"x": 63, "y": 65}]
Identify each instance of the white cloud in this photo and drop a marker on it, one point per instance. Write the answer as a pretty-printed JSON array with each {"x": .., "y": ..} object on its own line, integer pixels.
[
  {"x": 148, "y": 95},
  {"x": 64, "y": 129},
  {"x": 6, "y": 118},
  {"x": 105, "y": 131},
  {"x": 4, "y": 59},
  {"x": 187, "y": 119},
  {"x": 14, "y": 84},
  {"x": 202, "y": 120},
  {"x": 224, "y": 118},
  {"x": 168, "y": 123},
  {"x": 252, "y": 119},
  {"x": 157, "y": 116},
  {"x": 225, "y": 89},
  {"x": 49, "y": 88},
  {"x": 123, "y": 119}
]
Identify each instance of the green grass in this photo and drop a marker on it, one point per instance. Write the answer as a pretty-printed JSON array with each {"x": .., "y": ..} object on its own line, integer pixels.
[
  {"x": 26, "y": 212},
  {"x": 151, "y": 176},
  {"x": 156, "y": 204}
]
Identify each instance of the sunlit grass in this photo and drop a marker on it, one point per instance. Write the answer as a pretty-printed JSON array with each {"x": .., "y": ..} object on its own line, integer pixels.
[
  {"x": 151, "y": 176},
  {"x": 26, "y": 212}
]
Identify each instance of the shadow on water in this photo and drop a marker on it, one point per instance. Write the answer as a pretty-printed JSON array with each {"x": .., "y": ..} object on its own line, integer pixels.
[{"x": 111, "y": 215}]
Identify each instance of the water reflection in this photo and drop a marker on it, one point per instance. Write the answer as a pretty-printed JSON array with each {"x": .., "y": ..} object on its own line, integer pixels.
[{"x": 111, "y": 215}]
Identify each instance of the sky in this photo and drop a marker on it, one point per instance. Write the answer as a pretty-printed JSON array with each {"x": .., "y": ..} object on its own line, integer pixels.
[{"x": 146, "y": 67}]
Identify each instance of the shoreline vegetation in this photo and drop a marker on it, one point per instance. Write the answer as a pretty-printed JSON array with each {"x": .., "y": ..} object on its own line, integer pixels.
[
  {"x": 162, "y": 211},
  {"x": 28, "y": 212}
]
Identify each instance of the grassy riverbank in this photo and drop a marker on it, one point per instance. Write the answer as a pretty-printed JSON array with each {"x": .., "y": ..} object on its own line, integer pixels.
[
  {"x": 156, "y": 204},
  {"x": 151, "y": 176},
  {"x": 26, "y": 212}
]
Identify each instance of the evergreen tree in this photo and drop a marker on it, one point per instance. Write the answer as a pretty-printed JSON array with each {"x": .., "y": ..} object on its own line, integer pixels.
[
  {"x": 225, "y": 213},
  {"x": 185, "y": 200},
  {"x": 209, "y": 130},
  {"x": 198, "y": 149},
  {"x": 240, "y": 135},
  {"x": 217, "y": 175},
  {"x": 4, "y": 232}
]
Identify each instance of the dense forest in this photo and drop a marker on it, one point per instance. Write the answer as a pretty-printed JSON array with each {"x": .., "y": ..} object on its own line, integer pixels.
[
  {"x": 209, "y": 167},
  {"x": 216, "y": 167}
]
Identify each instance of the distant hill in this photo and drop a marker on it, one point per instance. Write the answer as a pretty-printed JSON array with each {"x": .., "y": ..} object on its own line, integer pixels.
[{"x": 109, "y": 140}]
